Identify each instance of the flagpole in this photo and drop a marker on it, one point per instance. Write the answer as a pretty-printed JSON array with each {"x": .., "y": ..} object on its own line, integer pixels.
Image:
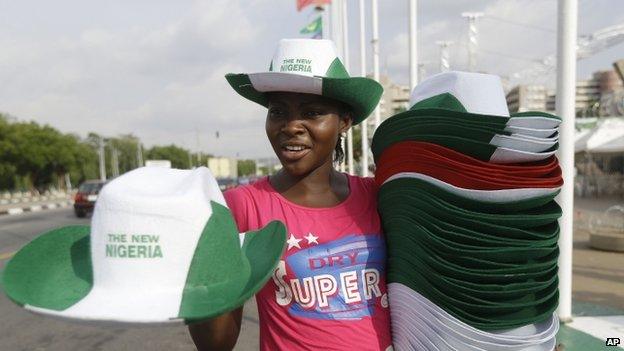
[
  {"x": 345, "y": 48},
  {"x": 565, "y": 104},
  {"x": 336, "y": 36},
  {"x": 412, "y": 44},
  {"x": 364, "y": 124},
  {"x": 326, "y": 28},
  {"x": 375, "y": 42}
]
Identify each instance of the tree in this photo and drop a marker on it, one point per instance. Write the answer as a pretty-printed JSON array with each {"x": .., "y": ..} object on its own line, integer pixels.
[
  {"x": 246, "y": 168},
  {"x": 8, "y": 171},
  {"x": 178, "y": 156},
  {"x": 34, "y": 156},
  {"x": 126, "y": 146}
]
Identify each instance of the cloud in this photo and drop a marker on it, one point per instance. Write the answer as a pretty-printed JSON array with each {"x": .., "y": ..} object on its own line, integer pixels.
[
  {"x": 162, "y": 84},
  {"x": 156, "y": 70}
]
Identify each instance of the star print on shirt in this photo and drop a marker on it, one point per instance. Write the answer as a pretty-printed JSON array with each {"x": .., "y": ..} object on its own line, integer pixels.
[
  {"x": 293, "y": 242},
  {"x": 311, "y": 238}
]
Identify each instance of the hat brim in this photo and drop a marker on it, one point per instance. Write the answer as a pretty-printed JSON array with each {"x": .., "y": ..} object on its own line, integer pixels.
[
  {"x": 410, "y": 302},
  {"x": 362, "y": 94},
  {"x": 54, "y": 272},
  {"x": 446, "y": 104}
]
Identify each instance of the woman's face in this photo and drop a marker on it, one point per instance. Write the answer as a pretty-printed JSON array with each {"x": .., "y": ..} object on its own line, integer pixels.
[{"x": 303, "y": 130}]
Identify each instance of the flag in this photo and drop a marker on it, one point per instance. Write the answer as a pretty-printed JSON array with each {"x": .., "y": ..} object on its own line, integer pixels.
[
  {"x": 315, "y": 28},
  {"x": 303, "y": 3}
]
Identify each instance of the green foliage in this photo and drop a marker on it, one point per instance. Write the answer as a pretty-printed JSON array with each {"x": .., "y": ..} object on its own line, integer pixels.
[
  {"x": 178, "y": 156},
  {"x": 246, "y": 168},
  {"x": 34, "y": 156}
]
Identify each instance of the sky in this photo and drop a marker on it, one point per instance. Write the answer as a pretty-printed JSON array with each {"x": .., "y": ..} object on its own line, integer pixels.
[{"x": 156, "y": 68}]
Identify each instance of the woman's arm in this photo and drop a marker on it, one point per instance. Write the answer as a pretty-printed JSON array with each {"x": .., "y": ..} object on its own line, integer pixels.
[{"x": 219, "y": 333}]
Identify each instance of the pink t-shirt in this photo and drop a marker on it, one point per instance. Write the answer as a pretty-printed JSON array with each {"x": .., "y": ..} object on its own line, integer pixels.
[{"x": 329, "y": 290}]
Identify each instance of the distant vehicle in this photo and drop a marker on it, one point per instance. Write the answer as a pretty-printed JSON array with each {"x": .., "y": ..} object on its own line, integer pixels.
[
  {"x": 158, "y": 163},
  {"x": 227, "y": 183},
  {"x": 85, "y": 198}
]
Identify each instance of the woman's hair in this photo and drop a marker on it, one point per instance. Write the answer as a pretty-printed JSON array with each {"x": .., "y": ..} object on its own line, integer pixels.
[{"x": 345, "y": 112}]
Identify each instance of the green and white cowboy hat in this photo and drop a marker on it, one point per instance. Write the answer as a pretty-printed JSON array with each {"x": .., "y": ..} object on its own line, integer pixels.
[
  {"x": 309, "y": 66},
  {"x": 162, "y": 247}
]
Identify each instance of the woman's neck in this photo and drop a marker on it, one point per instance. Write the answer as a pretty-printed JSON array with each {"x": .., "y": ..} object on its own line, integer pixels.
[{"x": 323, "y": 187}]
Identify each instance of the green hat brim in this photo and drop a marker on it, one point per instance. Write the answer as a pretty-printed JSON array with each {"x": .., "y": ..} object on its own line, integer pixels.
[
  {"x": 54, "y": 271},
  {"x": 362, "y": 94},
  {"x": 448, "y": 105}
]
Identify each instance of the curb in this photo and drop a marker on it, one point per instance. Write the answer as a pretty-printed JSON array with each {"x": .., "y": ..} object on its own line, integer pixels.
[{"x": 35, "y": 208}]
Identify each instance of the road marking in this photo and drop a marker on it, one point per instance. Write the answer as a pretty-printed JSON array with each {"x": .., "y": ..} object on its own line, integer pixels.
[{"x": 7, "y": 255}]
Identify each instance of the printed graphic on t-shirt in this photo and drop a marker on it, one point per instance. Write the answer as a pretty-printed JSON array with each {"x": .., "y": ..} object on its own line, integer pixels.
[{"x": 338, "y": 280}]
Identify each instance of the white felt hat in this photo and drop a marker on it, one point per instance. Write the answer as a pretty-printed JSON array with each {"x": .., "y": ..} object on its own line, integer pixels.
[
  {"x": 422, "y": 319},
  {"x": 162, "y": 247},
  {"x": 475, "y": 93},
  {"x": 309, "y": 66}
]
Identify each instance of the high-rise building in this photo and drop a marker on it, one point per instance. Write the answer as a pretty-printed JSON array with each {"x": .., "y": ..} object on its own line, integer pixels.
[{"x": 526, "y": 98}]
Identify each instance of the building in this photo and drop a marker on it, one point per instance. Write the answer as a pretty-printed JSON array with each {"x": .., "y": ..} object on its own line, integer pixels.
[
  {"x": 395, "y": 98},
  {"x": 591, "y": 93},
  {"x": 526, "y": 98},
  {"x": 223, "y": 167}
]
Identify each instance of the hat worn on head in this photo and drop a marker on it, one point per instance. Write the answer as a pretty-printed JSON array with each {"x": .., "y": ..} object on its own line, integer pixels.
[
  {"x": 309, "y": 66},
  {"x": 162, "y": 247}
]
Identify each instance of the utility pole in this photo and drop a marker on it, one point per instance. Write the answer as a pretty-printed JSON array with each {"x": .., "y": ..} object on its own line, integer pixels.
[
  {"x": 567, "y": 18},
  {"x": 375, "y": 44},
  {"x": 102, "y": 159},
  {"x": 364, "y": 124},
  {"x": 421, "y": 71},
  {"x": 115, "y": 162},
  {"x": 198, "y": 149},
  {"x": 445, "y": 64},
  {"x": 139, "y": 154},
  {"x": 473, "y": 43},
  {"x": 413, "y": 58},
  {"x": 325, "y": 15}
]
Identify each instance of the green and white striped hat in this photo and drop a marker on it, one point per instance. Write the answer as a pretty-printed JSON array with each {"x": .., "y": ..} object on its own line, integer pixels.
[
  {"x": 309, "y": 66},
  {"x": 162, "y": 247}
]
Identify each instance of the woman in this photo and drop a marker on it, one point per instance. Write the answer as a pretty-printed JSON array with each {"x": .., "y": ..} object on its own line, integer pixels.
[{"x": 328, "y": 291}]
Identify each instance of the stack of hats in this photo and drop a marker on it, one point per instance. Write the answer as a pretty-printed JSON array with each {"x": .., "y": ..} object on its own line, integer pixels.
[{"x": 467, "y": 204}]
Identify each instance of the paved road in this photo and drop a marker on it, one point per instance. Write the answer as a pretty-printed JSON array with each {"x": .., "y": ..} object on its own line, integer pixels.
[
  {"x": 20, "y": 330},
  {"x": 598, "y": 282}
]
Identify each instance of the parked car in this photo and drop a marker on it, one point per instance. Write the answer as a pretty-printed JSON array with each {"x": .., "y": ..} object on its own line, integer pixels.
[{"x": 85, "y": 198}]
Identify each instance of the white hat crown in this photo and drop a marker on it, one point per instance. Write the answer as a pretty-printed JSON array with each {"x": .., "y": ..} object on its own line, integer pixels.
[
  {"x": 479, "y": 93},
  {"x": 306, "y": 57},
  {"x": 145, "y": 229}
]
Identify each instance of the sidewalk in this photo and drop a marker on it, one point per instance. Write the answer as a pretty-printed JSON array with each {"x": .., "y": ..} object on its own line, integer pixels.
[
  {"x": 48, "y": 204},
  {"x": 590, "y": 328},
  {"x": 597, "y": 286}
]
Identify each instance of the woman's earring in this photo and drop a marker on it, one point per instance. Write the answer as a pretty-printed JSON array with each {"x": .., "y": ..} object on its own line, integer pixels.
[{"x": 343, "y": 134}]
